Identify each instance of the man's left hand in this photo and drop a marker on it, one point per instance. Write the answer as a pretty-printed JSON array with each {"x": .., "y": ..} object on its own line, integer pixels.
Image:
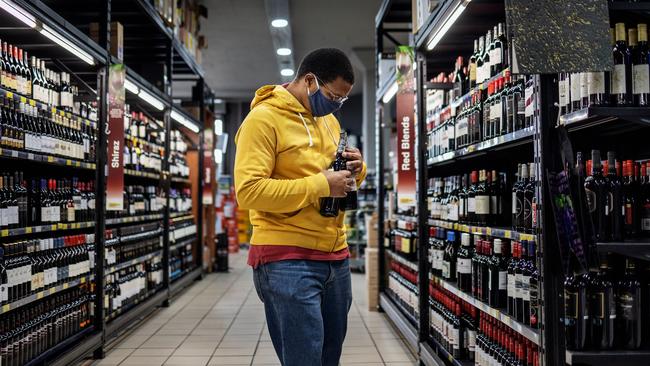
[{"x": 355, "y": 160}]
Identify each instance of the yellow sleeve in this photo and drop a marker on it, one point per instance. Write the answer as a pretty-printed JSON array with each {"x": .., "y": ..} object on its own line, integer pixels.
[
  {"x": 362, "y": 175},
  {"x": 254, "y": 163}
]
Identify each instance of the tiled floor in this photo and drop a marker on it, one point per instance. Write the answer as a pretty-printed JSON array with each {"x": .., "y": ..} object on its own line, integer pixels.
[{"x": 220, "y": 321}]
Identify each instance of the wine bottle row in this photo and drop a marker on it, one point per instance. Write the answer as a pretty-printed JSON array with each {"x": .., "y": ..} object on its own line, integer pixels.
[
  {"x": 178, "y": 164},
  {"x": 404, "y": 291},
  {"x": 144, "y": 143},
  {"x": 126, "y": 287},
  {"x": 44, "y": 200},
  {"x": 180, "y": 200},
  {"x": 34, "y": 265},
  {"x": 181, "y": 261},
  {"x": 628, "y": 83},
  {"x": 140, "y": 200},
  {"x": 31, "y": 330},
  {"x": 134, "y": 242},
  {"x": 500, "y": 274},
  {"x": 605, "y": 308}
]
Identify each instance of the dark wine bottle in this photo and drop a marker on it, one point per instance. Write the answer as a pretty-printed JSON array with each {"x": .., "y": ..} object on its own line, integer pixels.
[
  {"x": 628, "y": 312},
  {"x": 641, "y": 68},
  {"x": 329, "y": 206},
  {"x": 622, "y": 72},
  {"x": 464, "y": 263},
  {"x": 615, "y": 204},
  {"x": 576, "y": 313},
  {"x": 596, "y": 191},
  {"x": 603, "y": 307}
]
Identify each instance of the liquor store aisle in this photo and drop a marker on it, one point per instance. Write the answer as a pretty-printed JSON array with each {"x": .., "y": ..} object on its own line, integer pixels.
[{"x": 220, "y": 321}]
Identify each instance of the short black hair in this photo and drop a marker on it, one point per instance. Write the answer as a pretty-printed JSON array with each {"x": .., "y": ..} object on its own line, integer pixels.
[{"x": 328, "y": 64}]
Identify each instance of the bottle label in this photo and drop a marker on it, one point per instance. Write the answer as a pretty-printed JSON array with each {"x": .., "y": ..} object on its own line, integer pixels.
[
  {"x": 495, "y": 56},
  {"x": 494, "y": 206},
  {"x": 452, "y": 213},
  {"x": 518, "y": 285},
  {"x": 464, "y": 266},
  {"x": 575, "y": 87},
  {"x": 596, "y": 83},
  {"x": 445, "y": 269},
  {"x": 618, "y": 79},
  {"x": 641, "y": 79},
  {"x": 471, "y": 205},
  {"x": 71, "y": 217},
  {"x": 525, "y": 288},
  {"x": 12, "y": 215},
  {"x": 627, "y": 306},
  {"x": 591, "y": 200},
  {"x": 482, "y": 205},
  {"x": 503, "y": 280},
  {"x": 511, "y": 285},
  {"x": 584, "y": 86},
  {"x": 562, "y": 99},
  {"x": 472, "y": 71},
  {"x": 495, "y": 111}
]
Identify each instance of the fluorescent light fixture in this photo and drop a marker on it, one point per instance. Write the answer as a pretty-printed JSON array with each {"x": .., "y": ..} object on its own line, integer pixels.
[
  {"x": 72, "y": 48},
  {"x": 130, "y": 86},
  {"x": 283, "y": 51},
  {"x": 184, "y": 121},
  {"x": 217, "y": 100},
  {"x": 390, "y": 93},
  {"x": 153, "y": 101},
  {"x": 279, "y": 23},
  {"x": 445, "y": 27},
  {"x": 286, "y": 72},
  {"x": 218, "y": 127},
  {"x": 218, "y": 156},
  {"x": 19, "y": 13}
]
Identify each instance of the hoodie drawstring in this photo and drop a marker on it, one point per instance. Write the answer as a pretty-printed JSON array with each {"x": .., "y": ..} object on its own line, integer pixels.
[{"x": 311, "y": 142}]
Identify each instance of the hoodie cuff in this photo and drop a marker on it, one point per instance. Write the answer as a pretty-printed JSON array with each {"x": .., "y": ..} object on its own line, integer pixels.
[
  {"x": 362, "y": 174},
  {"x": 319, "y": 187}
]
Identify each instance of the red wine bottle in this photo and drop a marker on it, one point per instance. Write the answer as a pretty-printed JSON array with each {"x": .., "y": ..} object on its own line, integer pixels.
[{"x": 329, "y": 206}]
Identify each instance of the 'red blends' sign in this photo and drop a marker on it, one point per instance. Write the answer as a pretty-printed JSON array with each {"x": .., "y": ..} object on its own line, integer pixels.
[
  {"x": 115, "y": 138},
  {"x": 406, "y": 180}
]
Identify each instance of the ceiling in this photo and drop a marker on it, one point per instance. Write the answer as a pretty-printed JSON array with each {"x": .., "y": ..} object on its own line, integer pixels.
[{"x": 240, "y": 56}]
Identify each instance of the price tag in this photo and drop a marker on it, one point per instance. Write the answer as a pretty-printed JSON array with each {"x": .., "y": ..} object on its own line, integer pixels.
[
  {"x": 30, "y": 156},
  {"x": 52, "y": 290},
  {"x": 28, "y": 230},
  {"x": 4, "y": 232},
  {"x": 39, "y": 295},
  {"x": 83, "y": 280},
  {"x": 66, "y": 285},
  {"x": 32, "y": 103},
  {"x": 50, "y": 159},
  {"x": 14, "y": 154},
  {"x": 68, "y": 162},
  {"x": 77, "y": 164},
  {"x": 53, "y": 227},
  {"x": 508, "y": 234},
  {"x": 61, "y": 113},
  {"x": 6, "y": 308},
  {"x": 23, "y": 99},
  {"x": 53, "y": 110},
  {"x": 488, "y": 231},
  {"x": 10, "y": 95}
]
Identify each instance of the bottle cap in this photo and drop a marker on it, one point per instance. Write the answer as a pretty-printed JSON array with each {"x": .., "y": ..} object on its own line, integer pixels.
[
  {"x": 465, "y": 239},
  {"x": 595, "y": 159}
]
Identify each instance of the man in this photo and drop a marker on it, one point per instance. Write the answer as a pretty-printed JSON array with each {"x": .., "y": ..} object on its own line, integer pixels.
[{"x": 300, "y": 258}]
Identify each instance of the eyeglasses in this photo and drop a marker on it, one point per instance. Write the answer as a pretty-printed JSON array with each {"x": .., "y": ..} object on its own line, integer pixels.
[{"x": 333, "y": 96}]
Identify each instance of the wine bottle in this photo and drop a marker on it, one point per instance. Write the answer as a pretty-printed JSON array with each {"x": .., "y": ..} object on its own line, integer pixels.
[
  {"x": 640, "y": 68},
  {"x": 329, "y": 206},
  {"x": 622, "y": 73},
  {"x": 576, "y": 315},
  {"x": 629, "y": 308},
  {"x": 597, "y": 192},
  {"x": 464, "y": 264}
]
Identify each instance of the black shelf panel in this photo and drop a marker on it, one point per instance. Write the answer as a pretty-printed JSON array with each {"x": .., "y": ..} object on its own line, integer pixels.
[
  {"x": 134, "y": 219},
  {"x": 429, "y": 357},
  {"x": 595, "y": 116},
  {"x": 69, "y": 347},
  {"x": 124, "y": 319},
  {"x": 517, "y": 138},
  {"x": 181, "y": 180},
  {"x": 609, "y": 358},
  {"x": 45, "y": 159},
  {"x": 5, "y": 233},
  {"x": 398, "y": 258},
  {"x": 137, "y": 173},
  {"x": 483, "y": 230},
  {"x": 448, "y": 357},
  {"x": 183, "y": 281},
  {"x": 42, "y": 294},
  {"x": 398, "y": 317},
  {"x": 119, "y": 266},
  {"x": 438, "y": 86},
  {"x": 526, "y": 331},
  {"x": 634, "y": 248}
]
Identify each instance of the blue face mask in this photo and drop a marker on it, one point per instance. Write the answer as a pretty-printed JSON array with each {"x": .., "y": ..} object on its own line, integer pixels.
[{"x": 320, "y": 104}]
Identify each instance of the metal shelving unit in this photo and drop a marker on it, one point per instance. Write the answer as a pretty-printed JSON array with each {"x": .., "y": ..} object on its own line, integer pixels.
[{"x": 151, "y": 46}]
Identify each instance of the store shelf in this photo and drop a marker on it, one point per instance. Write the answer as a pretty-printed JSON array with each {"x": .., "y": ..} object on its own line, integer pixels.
[
  {"x": 45, "y": 159},
  {"x": 43, "y": 106},
  {"x": 609, "y": 358},
  {"x": 117, "y": 267},
  {"x": 596, "y": 116},
  {"x": 136, "y": 173},
  {"x": 134, "y": 219},
  {"x": 528, "y": 332},
  {"x": 71, "y": 349},
  {"x": 399, "y": 319},
  {"x": 138, "y": 236},
  {"x": 438, "y": 86},
  {"x": 387, "y": 85},
  {"x": 398, "y": 258},
  {"x": 635, "y": 248},
  {"x": 443, "y": 354},
  {"x": 124, "y": 319},
  {"x": 185, "y": 280},
  {"x": 181, "y": 180},
  {"x": 517, "y": 138},
  {"x": 483, "y": 230},
  {"x": 42, "y": 294},
  {"x": 406, "y": 218},
  {"x": 181, "y": 216},
  {"x": 74, "y": 349},
  {"x": 138, "y": 140},
  {"x": 45, "y": 228},
  {"x": 181, "y": 243},
  {"x": 429, "y": 357}
]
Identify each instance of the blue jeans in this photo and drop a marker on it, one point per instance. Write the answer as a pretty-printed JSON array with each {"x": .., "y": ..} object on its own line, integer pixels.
[{"x": 306, "y": 305}]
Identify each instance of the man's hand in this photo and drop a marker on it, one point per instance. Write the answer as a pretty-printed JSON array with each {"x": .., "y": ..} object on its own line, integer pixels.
[
  {"x": 338, "y": 181},
  {"x": 355, "y": 160}
]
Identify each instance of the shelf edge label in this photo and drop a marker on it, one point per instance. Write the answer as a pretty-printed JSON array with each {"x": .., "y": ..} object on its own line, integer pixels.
[{"x": 405, "y": 99}]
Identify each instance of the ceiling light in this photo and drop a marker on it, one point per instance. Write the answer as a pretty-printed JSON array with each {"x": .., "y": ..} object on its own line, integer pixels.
[
  {"x": 279, "y": 23},
  {"x": 184, "y": 121},
  {"x": 284, "y": 51},
  {"x": 130, "y": 86},
  {"x": 218, "y": 127},
  {"x": 19, "y": 13},
  {"x": 217, "y": 100},
  {"x": 218, "y": 156},
  {"x": 390, "y": 93},
  {"x": 61, "y": 41},
  {"x": 286, "y": 72},
  {"x": 153, "y": 101},
  {"x": 445, "y": 27}
]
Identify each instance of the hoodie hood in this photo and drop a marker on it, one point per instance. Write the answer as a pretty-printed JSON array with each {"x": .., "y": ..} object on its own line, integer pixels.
[{"x": 279, "y": 97}]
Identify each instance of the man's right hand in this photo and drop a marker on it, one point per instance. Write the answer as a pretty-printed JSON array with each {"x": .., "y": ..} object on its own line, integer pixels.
[{"x": 338, "y": 181}]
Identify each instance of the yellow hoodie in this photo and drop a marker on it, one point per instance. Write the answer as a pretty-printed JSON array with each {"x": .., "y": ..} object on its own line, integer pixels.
[{"x": 281, "y": 153}]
